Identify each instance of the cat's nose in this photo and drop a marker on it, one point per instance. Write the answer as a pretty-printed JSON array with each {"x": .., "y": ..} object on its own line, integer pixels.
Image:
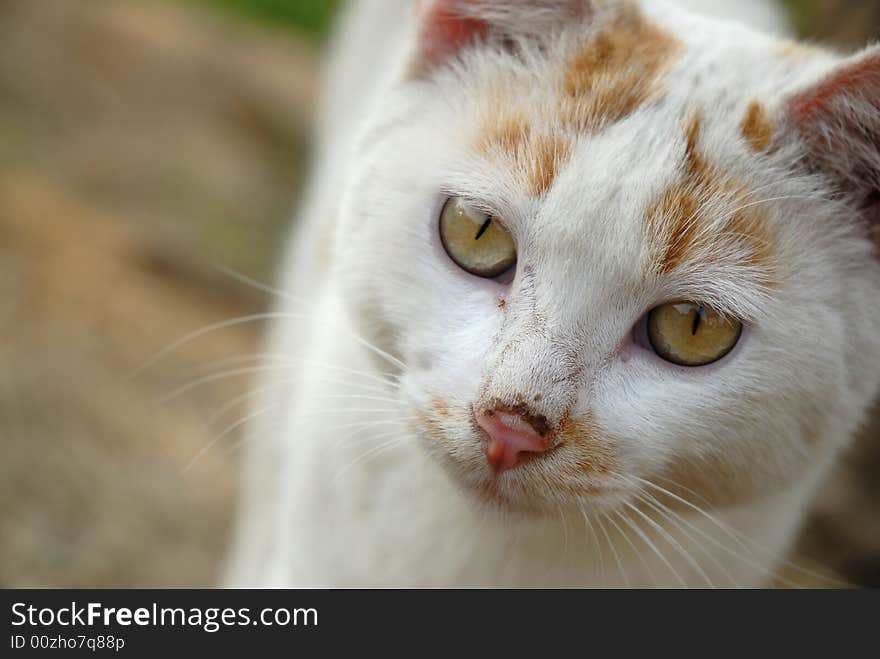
[{"x": 510, "y": 438}]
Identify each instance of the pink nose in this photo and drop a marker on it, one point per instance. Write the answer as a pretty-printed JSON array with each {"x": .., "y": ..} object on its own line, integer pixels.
[{"x": 510, "y": 436}]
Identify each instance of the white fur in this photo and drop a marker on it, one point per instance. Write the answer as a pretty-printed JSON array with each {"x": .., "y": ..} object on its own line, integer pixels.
[{"x": 328, "y": 501}]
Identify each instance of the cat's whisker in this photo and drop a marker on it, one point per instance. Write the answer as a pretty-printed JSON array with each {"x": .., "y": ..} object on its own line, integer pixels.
[
  {"x": 389, "y": 380},
  {"x": 357, "y": 438},
  {"x": 257, "y": 391},
  {"x": 354, "y": 427},
  {"x": 254, "y": 357},
  {"x": 233, "y": 402},
  {"x": 280, "y": 359},
  {"x": 226, "y": 431},
  {"x": 252, "y": 318},
  {"x": 672, "y": 542},
  {"x": 653, "y": 547},
  {"x": 720, "y": 525},
  {"x": 358, "y": 386},
  {"x": 304, "y": 418},
  {"x": 354, "y": 437},
  {"x": 564, "y": 525},
  {"x": 386, "y": 379},
  {"x": 391, "y": 359},
  {"x": 308, "y": 417},
  {"x": 588, "y": 524},
  {"x": 215, "y": 377},
  {"x": 613, "y": 549},
  {"x": 246, "y": 439},
  {"x": 258, "y": 285},
  {"x": 672, "y": 516},
  {"x": 207, "y": 329},
  {"x": 648, "y": 571},
  {"x": 384, "y": 446},
  {"x": 287, "y": 296},
  {"x": 356, "y": 410},
  {"x": 778, "y": 559},
  {"x": 511, "y": 529},
  {"x": 401, "y": 421},
  {"x": 727, "y": 530},
  {"x": 251, "y": 370},
  {"x": 386, "y": 399}
]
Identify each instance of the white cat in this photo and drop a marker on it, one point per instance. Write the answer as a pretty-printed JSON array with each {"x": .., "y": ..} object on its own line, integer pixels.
[{"x": 584, "y": 293}]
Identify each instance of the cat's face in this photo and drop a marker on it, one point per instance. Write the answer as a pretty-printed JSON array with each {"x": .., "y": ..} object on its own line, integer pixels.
[{"x": 663, "y": 290}]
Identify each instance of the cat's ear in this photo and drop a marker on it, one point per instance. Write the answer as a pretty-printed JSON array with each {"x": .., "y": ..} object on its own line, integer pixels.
[
  {"x": 445, "y": 27},
  {"x": 837, "y": 119}
]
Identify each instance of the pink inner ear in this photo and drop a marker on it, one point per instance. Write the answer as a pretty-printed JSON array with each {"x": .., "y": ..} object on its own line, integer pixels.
[
  {"x": 444, "y": 31},
  {"x": 839, "y": 122},
  {"x": 814, "y": 103}
]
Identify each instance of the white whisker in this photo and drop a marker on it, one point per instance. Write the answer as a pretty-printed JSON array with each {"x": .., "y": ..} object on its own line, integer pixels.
[
  {"x": 673, "y": 542},
  {"x": 564, "y": 556},
  {"x": 256, "y": 391},
  {"x": 224, "y": 433},
  {"x": 208, "y": 329},
  {"x": 725, "y": 529},
  {"x": 396, "y": 441},
  {"x": 260, "y": 286},
  {"x": 674, "y": 517},
  {"x": 614, "y": 551},
  {"x": 589, "y": 524},
  {"x": 648, "y": 571},
  {"x": 252, "y": 370},
  {"x": 654, "y": 548}
]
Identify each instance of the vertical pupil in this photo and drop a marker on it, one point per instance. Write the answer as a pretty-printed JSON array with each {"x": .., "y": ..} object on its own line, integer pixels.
[
  {"x": 697, "y": 319},
  {"x": 483, "y": 228}
]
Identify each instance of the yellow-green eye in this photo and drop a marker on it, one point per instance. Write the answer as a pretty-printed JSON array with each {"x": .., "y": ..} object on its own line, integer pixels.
[
  {"x": 477, "y": 242},
  {"x": 690, "y": 335}
]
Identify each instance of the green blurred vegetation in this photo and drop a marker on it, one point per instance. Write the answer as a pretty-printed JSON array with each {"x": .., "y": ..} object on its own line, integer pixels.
[
  {"x": 312, "y": 17},
  {"x": 803, "y": 14}
]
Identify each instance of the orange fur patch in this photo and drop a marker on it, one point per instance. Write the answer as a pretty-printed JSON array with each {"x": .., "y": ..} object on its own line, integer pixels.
[
  {"x": 536, "y": 157},
  {"x": 756, "y": 127},
  {"x": 435, "y": 418},
  {"x": 592, "y": 454},
  {"x": 440, "y": 408},
  {"x": 677, "y": 231},
  {"x": 619, "y": 69}
]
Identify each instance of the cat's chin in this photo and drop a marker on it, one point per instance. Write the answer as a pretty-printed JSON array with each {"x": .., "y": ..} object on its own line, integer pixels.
[
  {"x": 496, "y": 492},
  {"x": 489, "y": 494},
  {"x": 496, "y": 497}
]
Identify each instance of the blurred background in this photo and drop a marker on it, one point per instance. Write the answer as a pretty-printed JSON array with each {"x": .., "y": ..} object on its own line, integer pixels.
[{"x": 142, "y": 142}]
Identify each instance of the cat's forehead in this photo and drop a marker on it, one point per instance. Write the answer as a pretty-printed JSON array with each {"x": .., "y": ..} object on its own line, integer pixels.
[
  {"x": 640, "y": 131},
  {"x": 650, "y": 71}
]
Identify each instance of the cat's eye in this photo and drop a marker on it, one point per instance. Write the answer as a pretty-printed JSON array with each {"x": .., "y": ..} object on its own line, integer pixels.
[
  {"x": 478, "y": 243},
  {"x": 691, "y": 335}
]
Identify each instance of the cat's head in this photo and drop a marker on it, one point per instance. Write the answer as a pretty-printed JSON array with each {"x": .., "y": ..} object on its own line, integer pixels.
[{"x": 615, "y": 243}]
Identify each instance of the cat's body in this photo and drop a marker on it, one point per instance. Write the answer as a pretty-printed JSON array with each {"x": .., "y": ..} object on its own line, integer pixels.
[{"x": 597, "y": 146}]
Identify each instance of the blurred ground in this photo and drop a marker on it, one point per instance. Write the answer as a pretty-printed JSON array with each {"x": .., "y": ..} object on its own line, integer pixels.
[{"x": 141, "y": 141}]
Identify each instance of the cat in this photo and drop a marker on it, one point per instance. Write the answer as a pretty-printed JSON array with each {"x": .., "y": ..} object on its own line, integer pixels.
[{"x": 584, "y": 293}]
